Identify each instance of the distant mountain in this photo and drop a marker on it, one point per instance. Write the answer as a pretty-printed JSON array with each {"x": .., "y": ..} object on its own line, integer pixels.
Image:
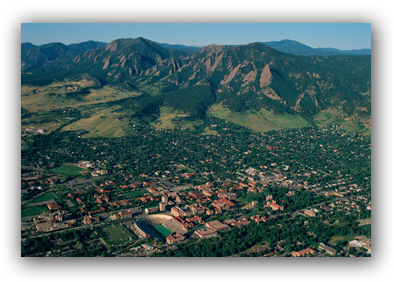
[
  {"x": 333, "y": 51},
  {"x": 297, "y": 48},
  {"x": 32, "y": 55},
  {"x": 180, "y": 47},
  {"x": 84, "y": 46},
  {"x": 285, "y": 46},
  {"x": 26, "y": 46},
  {"x": 241, "y": 78},
  {"x": 39, "y": 55}
]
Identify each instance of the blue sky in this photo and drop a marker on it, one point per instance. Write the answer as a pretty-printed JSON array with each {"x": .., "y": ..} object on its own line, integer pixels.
[{"x": 343, "y": 36}]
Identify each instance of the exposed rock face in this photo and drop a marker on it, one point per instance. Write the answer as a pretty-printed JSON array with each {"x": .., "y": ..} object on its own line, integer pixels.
[
  {"x": 231, "y": 75},
  {"x": 265, "y": 78},
  {"x": 217, "y": 62},
  {"x": 111, "y": 46},
  {"x": 76, "y": 59},
  {"x": 270, "y": 93},
  {"x": 208, "y": 64},
  {"x": 123, "y": 61},
  {"x": 297, "y": 106},
  {"x": 193, "y": 76},
  {"x": 106, "y": 64},
  {"x": 250, "y": 77}
]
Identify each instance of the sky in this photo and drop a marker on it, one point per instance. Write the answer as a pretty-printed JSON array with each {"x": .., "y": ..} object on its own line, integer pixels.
[{"x": 343, "y": 36}]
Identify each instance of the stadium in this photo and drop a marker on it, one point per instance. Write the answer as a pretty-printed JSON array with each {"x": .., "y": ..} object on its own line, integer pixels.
[{"x": 158, "y": 226}]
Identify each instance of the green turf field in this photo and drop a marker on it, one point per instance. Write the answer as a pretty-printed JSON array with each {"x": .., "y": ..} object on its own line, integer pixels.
[
  {"x": 162, "y": 230},
  {"x": 115, "y": 234},
  {"x": 33, "y": 211},
  {"x": 338, "y": 239},
  {"x": 43, "y": 198},
  {"x": 70, "y": 170}
]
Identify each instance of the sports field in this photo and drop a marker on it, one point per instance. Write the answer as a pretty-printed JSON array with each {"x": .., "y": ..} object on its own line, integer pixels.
[
  {"x": 70, "y": 170},
  {"x": 115, "y": 234},
  {"x": 33, "y": 211},
  {"x": 43, "y": 198},
  {"x": 162, "y": 230}
]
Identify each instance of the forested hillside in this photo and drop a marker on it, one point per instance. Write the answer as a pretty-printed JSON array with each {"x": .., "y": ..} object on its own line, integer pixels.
[{"x": 241, "y": 79}]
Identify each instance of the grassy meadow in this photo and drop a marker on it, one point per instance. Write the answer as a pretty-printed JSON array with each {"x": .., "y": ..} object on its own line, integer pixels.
[
  {"x": 326, "y": 117},
  {"x": 260, "y": 121}
]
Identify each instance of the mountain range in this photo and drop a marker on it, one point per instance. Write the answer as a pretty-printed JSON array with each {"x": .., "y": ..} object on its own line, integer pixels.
[
  {"x": 285, "y": 46},
  {"x": 238, "y": 78}
]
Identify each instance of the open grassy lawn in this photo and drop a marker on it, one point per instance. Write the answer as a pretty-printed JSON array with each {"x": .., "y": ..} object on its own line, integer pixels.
[
  {"x": 67, "y": 170},
  {"x": 54, "y": 95},
  {"x": 115, "y": 234},
  {"x": 167, "y": 115},
  {"x": 102, "y": 124},
  {"x": 33, "y": 211},
  {"x": 43, "y": 198},
  {"x": 260, "y": 121},
  {"x": 338, "y": 239},
  {"x": 162, "y": 230}
]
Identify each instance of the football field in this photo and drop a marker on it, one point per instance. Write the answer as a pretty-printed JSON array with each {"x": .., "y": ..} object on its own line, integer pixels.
[{"x": 162, "y": 230}]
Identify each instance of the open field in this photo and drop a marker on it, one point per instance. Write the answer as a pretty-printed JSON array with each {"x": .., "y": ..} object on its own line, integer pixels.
[
  {"x": 55, "y": 95},
  {"x": 261, "y": 121},
  {"x": 102, "y": 124},
  {"x": 338, "y": 239},
  {"x": 33, "y": 211},
  {"x": 43, "y": 198},
  {"x": 327, "y": 117},
  {"x": 67, "y": 170},
  {"x": 168, "y": 115},
  {"x": 208, "y": 131},
  {"x": 162, "y": 230},
  {"x": 114, "y": 234},
  {"x": 47, "y": 127}
]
